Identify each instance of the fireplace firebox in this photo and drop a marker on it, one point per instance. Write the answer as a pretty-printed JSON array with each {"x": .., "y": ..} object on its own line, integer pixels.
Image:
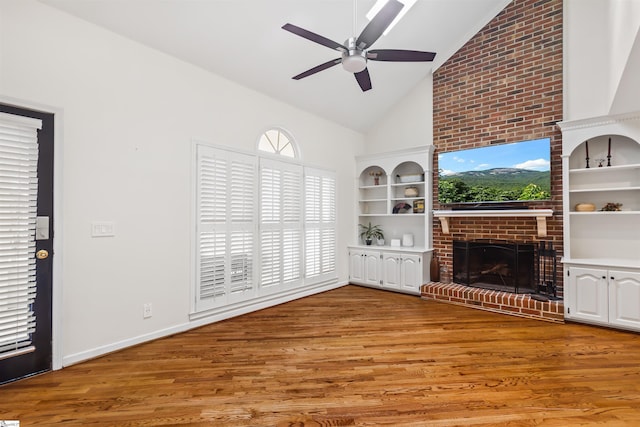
[{"x": 496, "y": 265}]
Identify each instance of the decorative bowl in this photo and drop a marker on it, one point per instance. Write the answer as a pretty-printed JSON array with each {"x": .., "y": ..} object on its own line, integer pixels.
[{"x": 585, "y": 207}]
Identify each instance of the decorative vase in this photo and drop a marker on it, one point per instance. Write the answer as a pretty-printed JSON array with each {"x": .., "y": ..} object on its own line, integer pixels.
[{"x": 435, "y": 268}]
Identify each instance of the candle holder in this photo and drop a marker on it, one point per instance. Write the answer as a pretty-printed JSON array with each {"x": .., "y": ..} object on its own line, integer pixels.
[
  {"x": 609, "y": 154},
  {"x": 586, "y": 148}
]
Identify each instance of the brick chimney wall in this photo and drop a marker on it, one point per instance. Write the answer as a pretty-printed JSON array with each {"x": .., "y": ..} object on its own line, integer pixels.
[{"x": 504, "y": 85}]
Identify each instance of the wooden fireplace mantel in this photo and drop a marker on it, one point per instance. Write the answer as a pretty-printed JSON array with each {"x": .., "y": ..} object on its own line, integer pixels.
[{"x": 539, "y": 214}]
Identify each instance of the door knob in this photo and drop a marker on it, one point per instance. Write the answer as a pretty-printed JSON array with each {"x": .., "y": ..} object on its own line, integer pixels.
[{"x": 42, "y": 254}]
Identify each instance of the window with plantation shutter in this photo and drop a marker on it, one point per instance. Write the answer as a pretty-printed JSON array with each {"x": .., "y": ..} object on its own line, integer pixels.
[
  {"x": 264, "y": 226},
  {"x": 280, "y": 225},
  {"x": 18, "y": 197},
  {"x": 320, "y": 225},
  {"x": 226, "y": 227}
]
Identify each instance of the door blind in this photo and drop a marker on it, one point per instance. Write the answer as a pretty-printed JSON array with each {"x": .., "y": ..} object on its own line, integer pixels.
[{"x": 18, "y": 203}]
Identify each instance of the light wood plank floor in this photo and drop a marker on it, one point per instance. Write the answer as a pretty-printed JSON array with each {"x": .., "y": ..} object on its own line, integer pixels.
[{"x": 352, "y": 356}]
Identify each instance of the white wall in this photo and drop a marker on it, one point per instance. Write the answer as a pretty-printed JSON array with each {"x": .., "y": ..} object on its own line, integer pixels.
[
  {"x": 601, "y": 49},
  {"x": 129, "y": 116},
  {"x": 408, "y": 124}
]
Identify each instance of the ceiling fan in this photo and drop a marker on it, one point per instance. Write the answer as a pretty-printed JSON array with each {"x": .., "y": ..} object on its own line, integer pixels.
[{"x": 355, "y": 50}]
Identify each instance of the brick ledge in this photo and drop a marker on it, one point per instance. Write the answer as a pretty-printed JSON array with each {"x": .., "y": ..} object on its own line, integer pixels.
[{"x": 501, "y": 302}]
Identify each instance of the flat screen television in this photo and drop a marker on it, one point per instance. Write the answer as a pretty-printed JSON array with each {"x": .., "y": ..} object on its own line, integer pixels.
[{"x": 495, "y": 174}]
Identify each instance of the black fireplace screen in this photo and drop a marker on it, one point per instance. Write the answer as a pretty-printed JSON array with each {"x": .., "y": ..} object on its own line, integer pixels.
[{"x": 500, "y": 266}]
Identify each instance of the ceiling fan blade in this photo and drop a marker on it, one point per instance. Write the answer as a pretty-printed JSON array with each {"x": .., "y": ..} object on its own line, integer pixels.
[
  {"x": 316, "y": 38},
  {"x": 318, "y": 68},
  {"x": 400, "y": 55},
  {"x": 378, "y": 24},
  {"x": 363, "y": 79}
]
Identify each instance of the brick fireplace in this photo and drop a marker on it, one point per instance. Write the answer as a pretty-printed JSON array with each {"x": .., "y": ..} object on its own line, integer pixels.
[{"x": 504, "y": 85}]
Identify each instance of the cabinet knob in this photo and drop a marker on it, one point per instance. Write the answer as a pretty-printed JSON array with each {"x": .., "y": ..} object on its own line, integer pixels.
[
  {"x": 604, "y": 277},
  {"x": 613, "y": 278}
]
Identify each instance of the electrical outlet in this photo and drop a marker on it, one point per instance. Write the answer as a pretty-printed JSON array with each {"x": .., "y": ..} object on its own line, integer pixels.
[{"x": 147, "y": 310}]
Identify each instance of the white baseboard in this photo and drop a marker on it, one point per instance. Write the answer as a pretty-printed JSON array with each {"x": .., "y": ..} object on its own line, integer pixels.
[{"x": 210, "y": 317}]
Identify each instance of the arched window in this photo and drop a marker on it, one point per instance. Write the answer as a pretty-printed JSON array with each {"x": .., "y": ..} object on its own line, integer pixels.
[{"x": 277, "y": 141}]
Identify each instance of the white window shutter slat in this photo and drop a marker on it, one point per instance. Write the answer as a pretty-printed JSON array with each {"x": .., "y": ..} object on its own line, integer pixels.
[
  {"x": 270, "y": 258},
  {"x": 212, "y": 265},
  {"x": 291, "y": 255},
  {"x": 312, "y": 252},
  {"x": 242, "y": 190},
  {"x": 328, "y": 250},
  {"x": 270, "y": 203},
  {"x": 241, "y": 251}
]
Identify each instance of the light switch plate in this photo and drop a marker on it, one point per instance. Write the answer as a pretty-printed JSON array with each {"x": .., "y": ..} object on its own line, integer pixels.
[{"x": 102, "y": 229}]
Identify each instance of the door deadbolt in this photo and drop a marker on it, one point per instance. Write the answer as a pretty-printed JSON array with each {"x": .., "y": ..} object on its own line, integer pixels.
[{"x": 42, "y": 254}]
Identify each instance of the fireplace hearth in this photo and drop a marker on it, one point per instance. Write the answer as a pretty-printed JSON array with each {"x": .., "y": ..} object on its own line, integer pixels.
[{"x": 495, "y": 265}]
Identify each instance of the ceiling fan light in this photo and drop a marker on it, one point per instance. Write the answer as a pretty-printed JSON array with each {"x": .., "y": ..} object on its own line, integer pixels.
[{"x": 354, "y": 64}]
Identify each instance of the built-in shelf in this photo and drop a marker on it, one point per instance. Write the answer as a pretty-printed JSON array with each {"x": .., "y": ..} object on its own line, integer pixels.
[
  {"x": 406, "y": 214},
  {"x": 603, "y": 189},
  {"x": 388, "y": 248},
  {"x": 604, "y": 169},
  {"x": 408, "y": 184},
  {"x": 606, "y": 213},
  {"x": 540, "y": 215},
  {"x": 603, "y": 262},
  {"x": 399, "y": 199}
]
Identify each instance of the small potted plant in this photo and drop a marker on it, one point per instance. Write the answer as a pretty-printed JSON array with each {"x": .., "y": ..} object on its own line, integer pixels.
[{"x": 370, "y": 232}]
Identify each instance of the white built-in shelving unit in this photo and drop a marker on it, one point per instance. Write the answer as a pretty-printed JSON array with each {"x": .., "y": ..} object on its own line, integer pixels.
[
  {"x": 602, "y": 248},
  {"x": 387, "y": 202}
]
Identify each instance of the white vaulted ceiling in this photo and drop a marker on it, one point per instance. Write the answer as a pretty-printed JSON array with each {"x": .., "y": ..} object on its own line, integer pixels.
[{"x": 242, "y": 40}]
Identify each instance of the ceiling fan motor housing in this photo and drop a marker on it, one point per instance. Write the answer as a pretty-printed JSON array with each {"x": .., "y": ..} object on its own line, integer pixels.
[{"x": 354, "y": 60}]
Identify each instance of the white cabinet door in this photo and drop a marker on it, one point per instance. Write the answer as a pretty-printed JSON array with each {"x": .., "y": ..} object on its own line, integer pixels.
[
  {"x": 364, "y": 267},
  {"x": 371, "y": 268},
  {"x": 391, "y": 265},
  {"x": 356, "y": 266},
  {"x": 588, "y": 295},
  {"x": 624, "y": 299},
  {"x": 411, "y": 272}
]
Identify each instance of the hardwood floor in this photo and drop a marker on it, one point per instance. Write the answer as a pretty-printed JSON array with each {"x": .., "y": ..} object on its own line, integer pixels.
[{"x": 352, "y": 356}]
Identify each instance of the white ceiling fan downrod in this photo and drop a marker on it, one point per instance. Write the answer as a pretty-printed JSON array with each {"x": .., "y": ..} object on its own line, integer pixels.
[{"x": 354, "y": 60}]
